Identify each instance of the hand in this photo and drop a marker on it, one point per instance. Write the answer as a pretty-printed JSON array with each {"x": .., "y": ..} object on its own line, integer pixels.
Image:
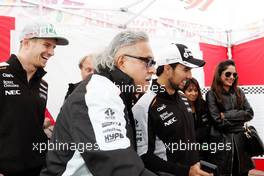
[
  {"x": 195, "y": 170},
  {"x": 222, "y": 115},
  {"x": 48, "y": 128}
]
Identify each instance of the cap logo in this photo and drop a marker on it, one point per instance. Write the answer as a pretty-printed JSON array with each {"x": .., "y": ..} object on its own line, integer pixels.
[
  {"x": 187, "y": 53},
  {"x": 48, "y": 30}
]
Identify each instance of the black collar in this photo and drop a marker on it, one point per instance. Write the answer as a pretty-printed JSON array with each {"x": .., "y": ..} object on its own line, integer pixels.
[
  {"x": 118, "y": 77},
  {"x": 121, "y": 80},
  {"x": 160, "y": 90},
  {"x": 19, "y": 71}
]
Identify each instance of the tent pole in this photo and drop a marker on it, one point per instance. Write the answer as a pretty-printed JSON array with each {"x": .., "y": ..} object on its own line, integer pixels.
[
  {"x": 137, "y": 14},
  {"x": 229, "y": 44}
]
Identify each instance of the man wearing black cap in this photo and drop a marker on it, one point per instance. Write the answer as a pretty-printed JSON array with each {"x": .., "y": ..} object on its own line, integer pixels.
[
  {"x": 163, "y": 117},
  {"x": 23, "y": 98}
]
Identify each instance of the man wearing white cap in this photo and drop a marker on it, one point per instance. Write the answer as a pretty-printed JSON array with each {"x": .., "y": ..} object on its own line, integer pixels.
[
  {"x": 164, "y": 118},
  {"x": 23, "y": 98}
]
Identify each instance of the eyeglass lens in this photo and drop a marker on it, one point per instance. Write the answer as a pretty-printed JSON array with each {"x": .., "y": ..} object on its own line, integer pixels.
[{"x": 228, "y": 74}]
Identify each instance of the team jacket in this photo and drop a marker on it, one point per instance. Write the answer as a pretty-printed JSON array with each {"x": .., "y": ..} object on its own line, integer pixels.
[
  {"x": 96, "y": 116},
  {"x": 164, "y": 121},
  {"x": 22, "y": 108}
]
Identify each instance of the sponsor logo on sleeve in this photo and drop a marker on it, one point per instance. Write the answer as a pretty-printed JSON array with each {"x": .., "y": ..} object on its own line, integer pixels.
[
  {"x": 109, "y": 114},
  {"x": 112, "y": 128}
]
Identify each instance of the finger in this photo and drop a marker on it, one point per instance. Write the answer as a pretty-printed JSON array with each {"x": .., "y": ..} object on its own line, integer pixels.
[
  {"x": 51, "y": 127},
  {"x": 203, "y": 173},
  {"x": 46, "y": 123},
  {"x": 48, "y": 133}
]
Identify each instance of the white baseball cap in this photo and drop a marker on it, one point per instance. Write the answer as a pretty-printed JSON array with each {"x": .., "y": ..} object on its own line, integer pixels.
[
  {"x": 42, "y": 30},
  {"x": 178, "y": 53}
]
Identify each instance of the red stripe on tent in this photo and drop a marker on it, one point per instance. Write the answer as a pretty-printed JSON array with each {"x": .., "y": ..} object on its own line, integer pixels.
[
  {"x": 6, "y": 25},
  {"x": 212, "y": 55},
  {"x": 249, "y": 58}
]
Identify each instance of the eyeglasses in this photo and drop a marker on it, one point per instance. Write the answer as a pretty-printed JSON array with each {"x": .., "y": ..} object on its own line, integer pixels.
[
  {"x": 149, "y": 61},
  {"x": 228, "y": 74}
]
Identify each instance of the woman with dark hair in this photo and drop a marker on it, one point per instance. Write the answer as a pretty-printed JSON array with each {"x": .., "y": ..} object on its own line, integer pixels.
[
  {"x": 193, "y": 93},
  {"x": 229, "y": 110}
]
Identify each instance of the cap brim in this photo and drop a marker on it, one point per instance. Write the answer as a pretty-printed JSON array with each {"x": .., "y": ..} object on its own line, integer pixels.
[
  {"x": 193, "y": 63},
  {"x": 59, "y": 40}
]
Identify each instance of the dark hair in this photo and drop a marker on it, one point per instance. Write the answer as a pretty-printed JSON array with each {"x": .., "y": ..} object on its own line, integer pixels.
[
  {"x": 217, "y": 84},
  {"x": 199, "y": 102},
  {"x": 160, "y": 69},
  {"x": 192, "y": 81}
]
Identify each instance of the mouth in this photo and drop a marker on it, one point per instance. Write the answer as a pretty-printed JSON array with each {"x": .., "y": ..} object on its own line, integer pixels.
[
  {"x": 45, "y": 58},
  {"x": 148, "y": 79}
]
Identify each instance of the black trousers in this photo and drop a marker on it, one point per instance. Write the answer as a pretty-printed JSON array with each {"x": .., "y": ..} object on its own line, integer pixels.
[
  {"x": 31, "y": 172},
  {"x": 235, "y": 171}
]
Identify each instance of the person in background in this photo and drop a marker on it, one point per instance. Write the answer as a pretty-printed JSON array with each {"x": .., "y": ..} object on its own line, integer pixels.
[
  {"x": 97, "y": 117},
  {"x": 86, "y": 67},
  {"x": 164, "y": 118},
  {"x": 23, "y": 99},
  {"x": 200, "y": 112},
  {"x": 229, "y": 109}
]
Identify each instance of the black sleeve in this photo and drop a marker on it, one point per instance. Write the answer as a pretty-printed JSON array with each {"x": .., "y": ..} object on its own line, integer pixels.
[
  {"x": 244, "y": 114},
  {"x": 70, "y": 90},
  {"x": 154, "y": 162},
  {"x": 214, "y": 111}
]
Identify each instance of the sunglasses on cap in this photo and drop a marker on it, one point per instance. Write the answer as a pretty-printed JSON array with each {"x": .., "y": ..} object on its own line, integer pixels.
[
  {"x": 228, "y": 74},
  {"x": 149, "y": 61}
]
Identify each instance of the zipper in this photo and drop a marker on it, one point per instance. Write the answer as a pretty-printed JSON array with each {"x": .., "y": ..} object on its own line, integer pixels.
[
  {"x": 233, "y": 144},
  {"x": 237, "y": 156}
]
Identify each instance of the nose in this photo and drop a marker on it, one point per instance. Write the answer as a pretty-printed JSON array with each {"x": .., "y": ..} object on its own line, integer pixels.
[
  {"x": 51, "y": 51},
  {"x": 189, "y": 74},
  {"x": 152, "y": 70},
  {"x": 192, "y": 92}
]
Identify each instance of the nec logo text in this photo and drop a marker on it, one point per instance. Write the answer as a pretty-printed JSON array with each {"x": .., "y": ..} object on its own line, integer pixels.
[{"x": 12, "y": 92}]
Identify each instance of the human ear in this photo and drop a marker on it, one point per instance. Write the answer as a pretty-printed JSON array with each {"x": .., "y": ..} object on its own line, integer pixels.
[{"x": 120, "y": 62}]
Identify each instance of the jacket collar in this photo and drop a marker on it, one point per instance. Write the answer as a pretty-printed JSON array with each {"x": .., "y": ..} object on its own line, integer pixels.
[
  {"x": 124, "y": 82},
  {"x": 230, "y": 91},
  {"x": 118, "y": 77},
  {"x": 160, "y": 90},
  {"x": 19, "y": 71}
]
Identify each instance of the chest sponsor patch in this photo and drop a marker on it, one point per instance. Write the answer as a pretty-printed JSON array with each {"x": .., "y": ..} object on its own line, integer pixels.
[
  {"x": 170, "y": 121},
  {"x": 163, "y": 106},
  {"x": 8, "y": 83},
  {"x": 12, "y": 92},
  {"x": 7, "y": 75},
  {"x": 165, "y": 115}
]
